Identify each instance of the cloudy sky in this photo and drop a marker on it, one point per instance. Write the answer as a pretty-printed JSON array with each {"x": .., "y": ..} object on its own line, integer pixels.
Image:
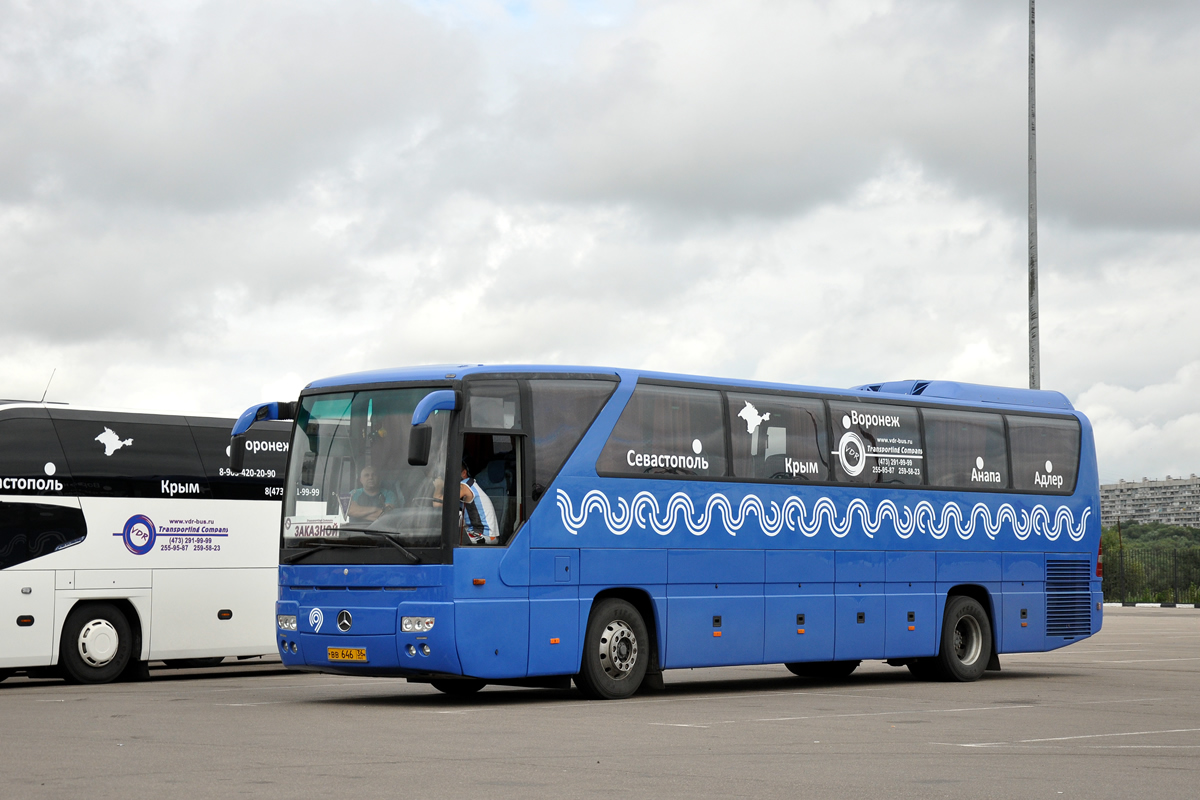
[{"x": 206, "y": 204}]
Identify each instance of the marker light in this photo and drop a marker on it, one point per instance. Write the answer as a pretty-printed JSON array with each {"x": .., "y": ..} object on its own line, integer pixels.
[
  {"x": 416, "y": 624},
  {"x": 286, "y": 622}
]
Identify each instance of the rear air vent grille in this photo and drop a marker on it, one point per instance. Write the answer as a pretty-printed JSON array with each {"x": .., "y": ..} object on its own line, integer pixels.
[{"x": 1068, "y": 598}]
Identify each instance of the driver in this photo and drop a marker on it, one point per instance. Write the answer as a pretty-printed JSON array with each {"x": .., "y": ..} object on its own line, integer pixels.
[
  {"x": 476, "y": 509},
  {"x": 371, "y": 501}
]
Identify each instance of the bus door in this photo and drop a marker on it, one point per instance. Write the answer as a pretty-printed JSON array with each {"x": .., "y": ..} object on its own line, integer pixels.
[
  {"x": 491, "y": 617},
  {"x": 38, "y": 517}
]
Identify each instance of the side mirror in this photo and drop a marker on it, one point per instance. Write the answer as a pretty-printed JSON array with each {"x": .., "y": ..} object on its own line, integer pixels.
[
  {"x": 419, "y": 441},
  {"x": 237, "y": 452}
]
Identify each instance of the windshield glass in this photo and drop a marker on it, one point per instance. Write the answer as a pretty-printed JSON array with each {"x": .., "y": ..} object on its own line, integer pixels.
[{"x": 349, "y": 480}]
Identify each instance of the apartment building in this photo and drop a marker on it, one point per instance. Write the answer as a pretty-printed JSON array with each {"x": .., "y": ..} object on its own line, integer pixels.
[{"x": 1174, "y": 501}]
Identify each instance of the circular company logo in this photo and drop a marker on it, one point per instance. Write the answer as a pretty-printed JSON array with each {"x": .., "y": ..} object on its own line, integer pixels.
[
  {"x": 344, "y": 620},
  {"x": 852, "y": 454},
  {"x": 139, "y": 534}
]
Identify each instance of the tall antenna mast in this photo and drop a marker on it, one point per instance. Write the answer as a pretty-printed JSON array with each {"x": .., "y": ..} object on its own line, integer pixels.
[
  {"x": 1035, "y": 354},
  {"x": 48, "y": 385}
]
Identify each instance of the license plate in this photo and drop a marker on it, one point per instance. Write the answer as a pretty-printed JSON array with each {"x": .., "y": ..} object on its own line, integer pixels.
[{"x": 347, "y": 654}]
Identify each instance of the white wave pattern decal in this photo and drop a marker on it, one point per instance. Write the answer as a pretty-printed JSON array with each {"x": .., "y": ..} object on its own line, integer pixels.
[{"x": 794, "y": 515}]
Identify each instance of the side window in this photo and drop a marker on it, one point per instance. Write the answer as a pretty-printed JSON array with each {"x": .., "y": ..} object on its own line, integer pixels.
[
  {"x": 493, "y": 404},
  {"x": 1045, "y": 453},
  {"x": 965, "y": 449},
  {"x": 30, "y": 530},
  {"x": 876, "y": 443},
  {"x": 265, "y": 461},
  {"x": 31, "y": 462},
  {"x": 493, "y": 466},
  {"x": 667, "y": 430},
  {"x": 110, "y": 456},
  {"x": 563, "y": 410},
  {"x": 776, "y": 437}
]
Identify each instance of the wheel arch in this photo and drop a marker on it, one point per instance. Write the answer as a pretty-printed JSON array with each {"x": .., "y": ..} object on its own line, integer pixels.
[
  {"x": 645, "y": 605},
  {"x": 122, "y": 604},
  {"x": 981, "y": 595}
]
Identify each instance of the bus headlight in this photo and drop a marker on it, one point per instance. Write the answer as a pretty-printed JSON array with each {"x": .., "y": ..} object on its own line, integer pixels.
[
  {"x": 416, "y": 624},
  {"x": 286, "y": 622}
]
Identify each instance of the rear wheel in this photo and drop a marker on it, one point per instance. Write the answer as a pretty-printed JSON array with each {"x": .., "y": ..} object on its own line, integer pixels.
[
  {"x": 97, "y": 643},
  {"x": 616, "y": 651},
  {"x": 966, "y": 640},
  {"x": 458, "y": 688},
  {"x": 823, "y": 670}
]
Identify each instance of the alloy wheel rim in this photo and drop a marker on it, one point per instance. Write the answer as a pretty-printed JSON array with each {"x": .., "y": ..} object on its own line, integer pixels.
[{"x": 618, "y": 649}]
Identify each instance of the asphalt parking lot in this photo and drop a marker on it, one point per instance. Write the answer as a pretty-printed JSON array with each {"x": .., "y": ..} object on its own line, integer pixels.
[{"x": 1115, "y": 716}]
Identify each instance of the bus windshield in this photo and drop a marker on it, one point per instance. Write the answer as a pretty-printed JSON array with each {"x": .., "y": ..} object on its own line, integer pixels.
[{"x": 349, "y": 481}]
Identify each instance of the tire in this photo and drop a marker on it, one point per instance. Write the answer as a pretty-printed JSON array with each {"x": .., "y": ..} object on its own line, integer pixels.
[
  {"x": 194, "y": 663},
  {"x": 823, "y": 670},
  {"x": 966, "y": 644},
  {"x": 616, "y": 651},
  {"x": 97, "y": 643},
  {"x": 5, "y": 674},
  {"x": 458, "y": 688}
]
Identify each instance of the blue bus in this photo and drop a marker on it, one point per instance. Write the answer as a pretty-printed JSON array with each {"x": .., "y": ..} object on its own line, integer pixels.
[{"x": 534, "y": 525}]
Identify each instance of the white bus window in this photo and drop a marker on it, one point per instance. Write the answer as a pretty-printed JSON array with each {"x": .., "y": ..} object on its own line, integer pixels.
[
  {"x": 667, "y": 430},
  {"x": 31, "y": 462},
  {"x": 112, "y": 457},
  {"x": 1045, "y": 453},
  {"x": 874, "y": 443},
  {"x": 262, "y": 469},
  {"x": 31, "y": 530},
  {"x": 776, "y": 437},
  {"x": 965, "y": 449}
]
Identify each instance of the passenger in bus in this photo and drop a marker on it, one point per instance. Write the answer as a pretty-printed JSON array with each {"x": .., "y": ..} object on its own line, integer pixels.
[
  {"x": 369, "y": 502},
  {"x": 476, "y": 511}
]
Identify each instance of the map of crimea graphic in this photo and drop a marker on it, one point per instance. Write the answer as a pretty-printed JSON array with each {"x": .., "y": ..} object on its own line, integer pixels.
[{"x": 112, "y": 443}]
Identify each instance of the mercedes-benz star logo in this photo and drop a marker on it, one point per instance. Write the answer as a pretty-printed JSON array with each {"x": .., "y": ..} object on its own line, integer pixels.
[{"x": 344, "y": 620}]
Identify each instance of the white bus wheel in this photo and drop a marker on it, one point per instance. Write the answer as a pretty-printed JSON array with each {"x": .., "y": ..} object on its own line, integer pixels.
[{"x": 96, "y": 643}]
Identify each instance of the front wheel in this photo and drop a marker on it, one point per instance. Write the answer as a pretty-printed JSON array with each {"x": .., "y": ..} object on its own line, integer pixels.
[
  {"x": 966, "y": 640},
  {"x": 458, "y": 688},
  {"x": 823, "y": 670},
  {"x": 97, "y": 643},
  {"x": 5, "y": 674},
  {"x": 616, "y": 652}
]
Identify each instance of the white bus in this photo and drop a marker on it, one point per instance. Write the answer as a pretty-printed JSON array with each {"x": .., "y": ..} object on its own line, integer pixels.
[{"x": 125, "y": 539}]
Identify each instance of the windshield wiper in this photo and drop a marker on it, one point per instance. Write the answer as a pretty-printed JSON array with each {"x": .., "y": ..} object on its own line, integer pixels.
[
  {"x": 309, "y": 550},
  {"x": 415, "y": 559}
]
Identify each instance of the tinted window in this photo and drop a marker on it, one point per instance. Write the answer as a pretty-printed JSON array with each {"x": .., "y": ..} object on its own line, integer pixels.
[
  {"x": 778, "y": 438},
  {"x": 493, "y": 404},
  {"x": 563, "y": 410},
  {"x": 110, "y": 455},
  {"x": 1045, "y": 453},
  {"x": 965, "y": 449},
  {"x": 31, "y": 462},
  {"x": 875, "y": 443},
  {"x": 494, "y": 466},
  {"x": 265, "y": 460},
  {"x": 667, "y": 430},
  {"x": 29, "y": 530}
]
